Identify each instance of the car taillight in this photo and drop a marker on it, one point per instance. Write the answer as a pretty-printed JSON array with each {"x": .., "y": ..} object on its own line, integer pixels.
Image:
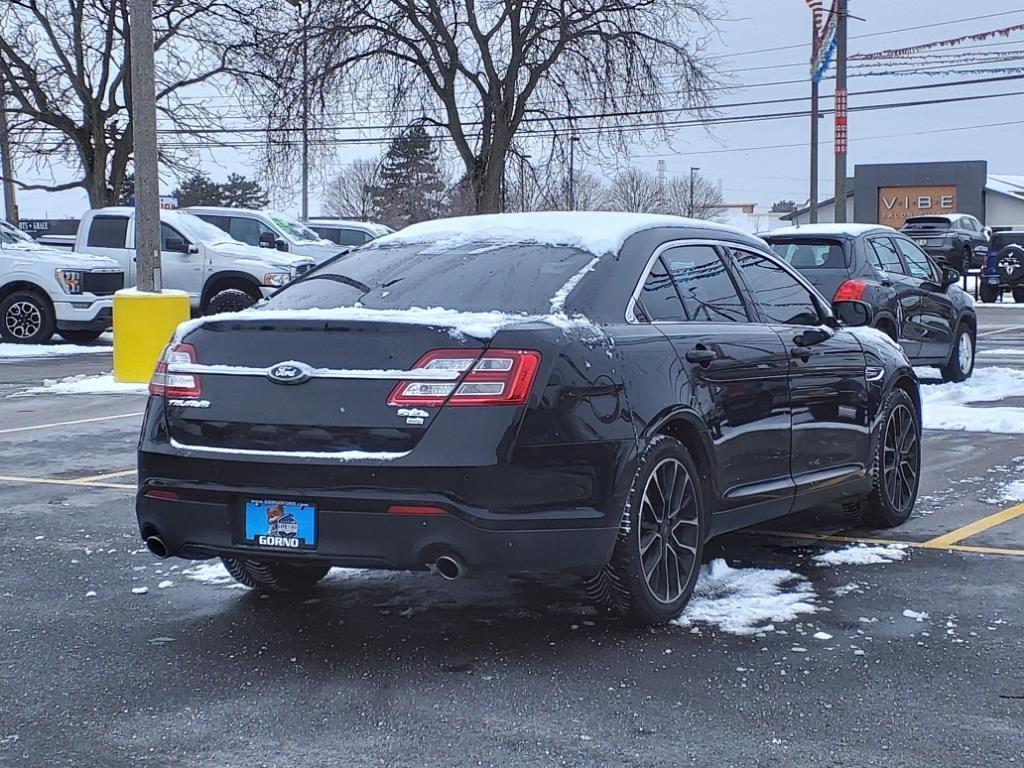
[
  {"x": 850, "y": 290},
  {"x": 167, "y": 383},
  {"x": 497, "y": 377}
]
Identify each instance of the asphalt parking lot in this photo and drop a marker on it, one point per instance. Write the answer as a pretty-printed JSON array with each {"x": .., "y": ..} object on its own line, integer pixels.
[{"x": 910, "y": 661}]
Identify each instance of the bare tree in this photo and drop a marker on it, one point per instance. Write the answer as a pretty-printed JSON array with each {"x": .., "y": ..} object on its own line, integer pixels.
[
  {"x": 704, "y": 203},
  {"x": 350, "y": 193},
  {"x": 636, "y": 191},
  {"x": 65, "y": 65},
  {"x": 485, "y": 72}
]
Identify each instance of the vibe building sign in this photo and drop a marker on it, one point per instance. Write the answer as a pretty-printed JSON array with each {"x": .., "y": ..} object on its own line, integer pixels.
[{"x": 897, "y": 204}]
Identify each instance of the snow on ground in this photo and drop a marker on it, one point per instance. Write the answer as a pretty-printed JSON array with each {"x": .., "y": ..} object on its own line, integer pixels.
[
  {"x": 1008, "y": 352},
  {"x": 213, "y": 573},
  {"x": 1012, "y": 493},
  {"x": 83, "y": 384},
  {"x": 953, "y": 406},
  {"x": 862, "y": 554},
  {"x": 23, "y": 351},
  {"x": 745, "y": 601}
]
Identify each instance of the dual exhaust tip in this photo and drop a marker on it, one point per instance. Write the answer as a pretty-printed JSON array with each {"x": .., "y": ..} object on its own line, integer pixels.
[{"x": 450, "y": 567}]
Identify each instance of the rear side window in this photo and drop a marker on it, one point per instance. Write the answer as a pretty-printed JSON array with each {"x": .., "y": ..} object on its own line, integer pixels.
[
  {"x": 659, "y": 298},
  {"x": 781, "y": 296},
  {"x": 811, "y": 254},
  {"x": 341, "y": 236},
  {"x": 883, "y": 255},
  {"x": 707, "y": 290},
  {"x": 108, "y": 232},
  {"x": 472, "y": 277}
]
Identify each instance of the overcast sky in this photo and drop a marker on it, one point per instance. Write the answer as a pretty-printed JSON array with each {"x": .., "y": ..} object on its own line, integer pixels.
[{"x": 729, "y": 153}]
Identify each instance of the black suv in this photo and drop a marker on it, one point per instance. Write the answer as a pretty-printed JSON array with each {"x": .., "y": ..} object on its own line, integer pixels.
[
  {"x": 914, "y": 301},
  {"x": 955, "y": 240},
  {"x": 1004, "y": 267}
]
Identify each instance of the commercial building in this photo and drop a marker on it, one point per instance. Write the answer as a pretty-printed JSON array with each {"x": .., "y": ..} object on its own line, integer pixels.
[{"x": 889, "y": 193}]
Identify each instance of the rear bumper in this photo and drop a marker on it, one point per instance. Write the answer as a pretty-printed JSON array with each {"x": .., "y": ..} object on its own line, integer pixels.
[{"x": 551, "y": 531}]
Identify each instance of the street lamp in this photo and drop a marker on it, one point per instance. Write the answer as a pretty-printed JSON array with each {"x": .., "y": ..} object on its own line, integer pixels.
[
  {"x": 304, "y": 18},
  {"x": 691, "y": 211}
]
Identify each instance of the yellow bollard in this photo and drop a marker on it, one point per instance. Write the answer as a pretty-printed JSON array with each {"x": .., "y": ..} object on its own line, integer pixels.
[{"x": 143, "y": 324}]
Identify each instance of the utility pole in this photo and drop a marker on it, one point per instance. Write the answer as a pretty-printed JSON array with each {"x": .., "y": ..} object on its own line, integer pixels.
[
  {"x": 522, "y": 182},
  {"x": 147, "y": 172},
  {"x": 691, "y": 211},
  {"x": 7, "y": 166},
  {"x": 814, "y": 121},
  {"x": 304, "y": 19},
  {"x": 572, "y": 171},
  {"x": 841, "y": 112}
]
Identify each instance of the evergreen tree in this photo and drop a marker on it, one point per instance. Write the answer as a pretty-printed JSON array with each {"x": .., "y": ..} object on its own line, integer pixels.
[
  {"x": 411, "y": 186},
  {"x": 198, "y": 189},
  {"x": 127, "y": 190},
  {"x": 240, "y": 192}
]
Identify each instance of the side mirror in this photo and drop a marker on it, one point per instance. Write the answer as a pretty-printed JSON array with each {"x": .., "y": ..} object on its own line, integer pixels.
[
  {"x": 268, "y": 240},
  {"x": 987, "y": 232},
  {"x": 281, "y": 245},
  {"x": 852, "y": 314},
  {"x": 949, "y": 277},
  {"x": 177, "y": 245}
]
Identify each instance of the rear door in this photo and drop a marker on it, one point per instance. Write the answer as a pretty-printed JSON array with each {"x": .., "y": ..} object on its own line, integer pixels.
[
  {"x": 937, "y": 316},
  {"x": 827, "y": 385},
  {"x": 882, "y": 252},
  {"x": 737, "y": 372}
]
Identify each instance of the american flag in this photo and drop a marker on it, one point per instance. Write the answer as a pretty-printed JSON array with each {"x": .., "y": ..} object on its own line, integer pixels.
[{"x": 817, "y": 8}]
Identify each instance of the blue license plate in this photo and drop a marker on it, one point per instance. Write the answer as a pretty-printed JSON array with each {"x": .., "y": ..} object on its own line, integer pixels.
[{"x": 285, "y": 525}]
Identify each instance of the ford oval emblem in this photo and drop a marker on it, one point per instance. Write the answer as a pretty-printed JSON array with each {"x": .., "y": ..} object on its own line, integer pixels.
[{"x": 290, "y": 372}]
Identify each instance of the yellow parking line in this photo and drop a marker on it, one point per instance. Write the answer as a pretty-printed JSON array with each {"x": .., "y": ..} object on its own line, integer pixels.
[
  {"x": 948, "y": 539},
  {"x": 68, "y": 423},
  {"x": 887, "y": 542},
  {"x": 54, "y": 481},
  {"x": 987, "y": 550},
  {"x": 105, "y": 476}
]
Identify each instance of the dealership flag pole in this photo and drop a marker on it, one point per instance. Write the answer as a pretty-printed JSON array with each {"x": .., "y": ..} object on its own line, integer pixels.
[{"x": 841, "y": 136}]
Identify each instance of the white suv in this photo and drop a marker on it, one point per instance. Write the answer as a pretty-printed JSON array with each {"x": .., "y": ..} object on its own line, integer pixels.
[
  {"x": 43, "y": 290},
  {"x": 269, "y": 229},
  {"x": 346, "y": 232},
  {"x": 219, "y": 273}
]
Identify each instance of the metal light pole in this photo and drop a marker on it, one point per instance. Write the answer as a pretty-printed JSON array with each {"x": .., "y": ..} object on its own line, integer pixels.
[
  {"x": 841, "y": 126},
  {"x": 304, "y": 18},
  {"x": 147, "y": 173},
  {"x": 691, "y": 210}
]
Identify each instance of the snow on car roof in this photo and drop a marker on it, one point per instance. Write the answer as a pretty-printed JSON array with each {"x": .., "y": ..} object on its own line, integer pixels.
[
  {"x": 852, "y": 230},
  {"x": 597, "y": 232}
]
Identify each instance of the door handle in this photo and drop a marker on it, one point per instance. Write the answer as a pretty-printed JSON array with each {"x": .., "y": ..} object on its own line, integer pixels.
[
  {"x": 801, "y": 353},
  {"x": 701, "y": 355}
]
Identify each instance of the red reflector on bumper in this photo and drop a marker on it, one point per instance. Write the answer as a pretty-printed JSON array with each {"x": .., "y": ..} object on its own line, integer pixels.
[
  {"x": 399, "y": 509},
  {"x": 168, "y": 495}
]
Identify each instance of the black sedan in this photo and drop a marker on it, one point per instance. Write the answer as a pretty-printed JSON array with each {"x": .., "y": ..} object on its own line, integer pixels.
[
  {"x": 596, "y": 394},
  {"x": 914, "y": 301}
]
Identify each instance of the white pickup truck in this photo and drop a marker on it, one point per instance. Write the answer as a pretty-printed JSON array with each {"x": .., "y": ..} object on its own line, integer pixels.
[
  {"x": 45, "y": 290},
  {"x": 219, "y": 273},
  {"x": 271, "y": 230}
]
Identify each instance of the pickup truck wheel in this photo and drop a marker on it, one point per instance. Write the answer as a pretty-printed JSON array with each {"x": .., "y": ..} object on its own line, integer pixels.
[
  {"x": 1018, "y": 295},
  {"x": 80, "y": 336},
  {"x": 26, "y": 318},
  {"x": 988, "y": 293},
  {"x": 229, "y": 300}
]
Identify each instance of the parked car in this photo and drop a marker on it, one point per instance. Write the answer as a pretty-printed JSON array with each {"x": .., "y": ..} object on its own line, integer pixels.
[
  {"x": 590, "y": 393},
  {"x": 912, "y": 300},
  {"x": 1004, "y": 267},
  {"x": 955, "y": 240},
  {"x": 218, "y": 273},
  {"x": 45, "y": 290},
  {"x": 347, "y": 233},
  {"x": 269, "y": 229}
]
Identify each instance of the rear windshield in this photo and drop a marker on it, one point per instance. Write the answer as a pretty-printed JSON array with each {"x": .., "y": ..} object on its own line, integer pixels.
[
  {"x": 1003, "y": 239},
  {"x": 926, "y": 222},
  {"x": 807, "y": 253},
  {"x": 474, "y": 277}
]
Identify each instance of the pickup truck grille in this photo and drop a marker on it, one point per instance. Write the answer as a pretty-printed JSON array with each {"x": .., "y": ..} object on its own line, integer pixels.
[
  {"x": 302, "y": 269},
  {"x": 102, "y": 283}
]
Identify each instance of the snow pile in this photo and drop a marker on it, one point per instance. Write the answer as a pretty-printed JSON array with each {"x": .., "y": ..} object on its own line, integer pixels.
[
  {"x": 480, "y": 325},
  {"x": 82, "y": 384},
  {"x": 744, "y": 601},
  {"x": 210, "y": 572},
  {"x": 948, "y": 406},
  {"x": 862, "y": 554},
  {"x": 596, "y": 232},
  {"x": 22, "y": 351},
  {"x": 1012, "y": 493}
]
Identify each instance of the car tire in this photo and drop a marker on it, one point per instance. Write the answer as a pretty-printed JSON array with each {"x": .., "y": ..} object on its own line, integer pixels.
[
  {"x": 631, "y": 583},
  {"x": 230, "y": 300},
  {"x": 968, "y": 260},
  {"x": 26, "y": 317},
  {"x": 989, "y": 294},
  {"x": 896, "y": 454},
  {"x": 1018, "y": 295},
  {"x": 274, "y": 577},
  {"x": 961, "y": 356},
  {"x": 79, "y": 336}
]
